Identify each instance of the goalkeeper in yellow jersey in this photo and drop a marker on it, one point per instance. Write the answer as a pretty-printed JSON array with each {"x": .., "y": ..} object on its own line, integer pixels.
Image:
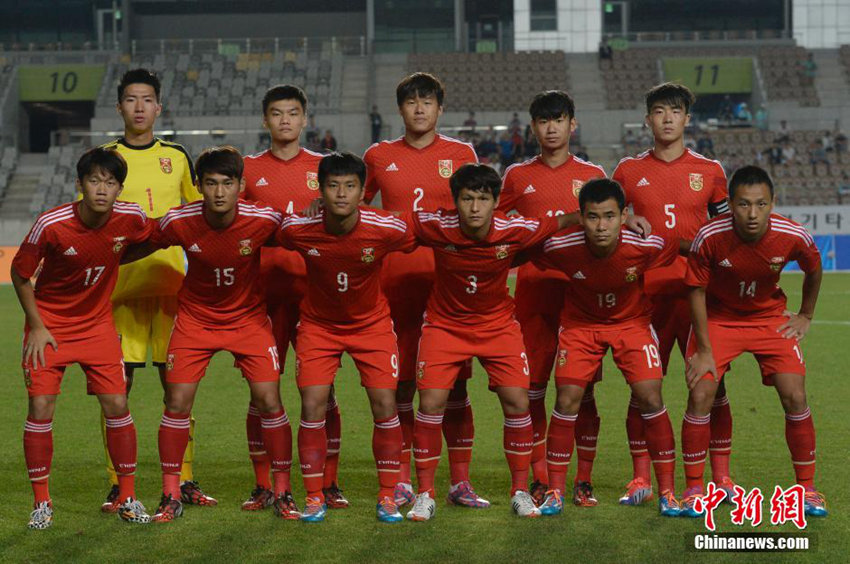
[{"x": 160, "y": 176}]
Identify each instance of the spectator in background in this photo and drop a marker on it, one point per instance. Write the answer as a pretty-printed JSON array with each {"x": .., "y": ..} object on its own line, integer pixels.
[
  {"x": 311, "y": 134},
  {"x": 470, "y": 122},
  {"x": 377, "y": 123},
  {"x": 789, "y": 153},
  {"x": 826, "y": 140},
  {"x": 532, "y": 147},
  {"x": 742, "y": 113},
  {"x": 774, "y": 154},
  {"x": 487, "y": 146},
  {"x": 817, "y": 155},
  {"x": 762, "y": 118},
  {"x": 582, "y": 153},
  {"x": 784, "y": 133},
  {"x": 843, "y": 188},
  {"x": 606, "y": 55},
  {"x": 630, "y": 142},
  {"x": 506, "y": 149},
  {"x": 495, "y": 161},
  {"x": 757, "y": 158},
  {"x": 517, "y": 144},
  {"x": 727, "y": 109},
  {"x": 840, "y": 143},
  {"x": 808, "y": 71},
  {"x": 515, "y": 126},
  {"x": 705, "y": 144},
  {"x": 328, "y": 142},
  {"x": 645, "y": 140}
]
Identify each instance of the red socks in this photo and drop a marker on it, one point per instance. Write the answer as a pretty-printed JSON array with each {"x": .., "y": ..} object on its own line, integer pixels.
[
  {"x": 662, "y": 448},
  {"x": 173, "y": 438},
  {"x": 333, "y": 429},
  {"x": 800, "y": 435},
  {"x": 637, "y": 441},
  {"x": 256, "y": 448},
  {"x": 312, "y": 451},
  {"x": 720, "y": 447},
  {"x": 406, "y": 418},
  {"x": 121, "y": 443},
  {"x": 427, "y": 447},
  {"x": 586, "y": 433},
  {"x": 559, "y": 448},
  {"x": 38, "y": 452},
  {"x": 696, "y": 433},
  {"x": 537, "y": 408},
  {"x": 518, "y": 440},
  {"x": 277, "y": 438},
  {"x": 459, "y": 430},
  {"x": 386, "y": 447}
]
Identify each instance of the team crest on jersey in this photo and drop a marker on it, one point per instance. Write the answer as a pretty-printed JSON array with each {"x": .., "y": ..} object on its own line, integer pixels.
[
  {"x": 165, "y": 165},
  {"x": 245, "y": 247},
  {"x": 313, "y": 180},
  {"x": 119, "y": 244},
  {"x": 420, "y": 370},
  {"x": 776, "y": 263},
  {"x": 502, "y": 252},
  {"x": 695, "y": 180},
  {"x": 577, "y": 184},
  {"x": 631, "y": 274},
  {"x": 368, "y": 254},
  {"x": 445, "y": 168},
  {"x": 562, "y": 357},
  {"x": 169, "y": 362}
]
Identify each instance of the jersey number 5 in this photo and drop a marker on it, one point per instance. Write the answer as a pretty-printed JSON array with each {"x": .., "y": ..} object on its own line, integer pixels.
[{"x": 670, "y": 212}]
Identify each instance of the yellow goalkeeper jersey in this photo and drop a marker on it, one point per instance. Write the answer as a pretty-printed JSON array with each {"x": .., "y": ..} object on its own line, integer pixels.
[{"x": 160, "y": 176}]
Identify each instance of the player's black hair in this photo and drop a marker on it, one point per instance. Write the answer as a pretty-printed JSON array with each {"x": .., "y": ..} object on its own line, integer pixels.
[
  {"x": 139, "y": 76},
  {"x": 341, "y": 164},
  {"x": 284, "y": 92},
  {"x": 552, "y": 104},
  {"x": 225, "y": 160},
  {"x": 108, "y": 160},
  {"x": 600, "y": 190},
  {"x": 475, "y": 177},
  {"x": 748, "y": 176},
  {"x": 670, "y": 93},
  {"x": 420, "y": 84}
]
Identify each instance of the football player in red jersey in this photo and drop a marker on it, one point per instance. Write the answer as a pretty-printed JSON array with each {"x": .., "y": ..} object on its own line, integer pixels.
[
  {"x": 69, "y": 320},
  {"x": 285, "y": 176},
  {"x": 548, "y": 185},
  {"x": 221, "y": 308},
  {"x": 606, "y": 308},
  {"x": 737, "y": 307},
  {"x": 677, "y": 190},
  {"x": 412, "y": 173},
  {"x": 345, "y": 311}
]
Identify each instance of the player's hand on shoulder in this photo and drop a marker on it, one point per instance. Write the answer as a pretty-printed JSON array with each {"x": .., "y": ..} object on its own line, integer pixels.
[
  {"x": 639, "y": 225},
  {"x": 313, "y": 209},
  {"x": 796, "y": 327},
  {"x": 37, "y": 341},
  {"x": 700, "y": 364}
]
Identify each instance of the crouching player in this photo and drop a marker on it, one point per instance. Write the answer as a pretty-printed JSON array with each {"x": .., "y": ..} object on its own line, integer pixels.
[
  {"x": 345, "y": 311},
  {"x": 605, "y": 308},
  {"x": 221, "y": 308},
  {"x": 470, "y": 314},
  {"x": 737, "y": 307},
  {"x": 69, "y": 320}
]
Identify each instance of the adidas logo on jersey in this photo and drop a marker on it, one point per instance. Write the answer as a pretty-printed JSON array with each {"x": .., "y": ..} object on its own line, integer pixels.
[
  {"x": 262, "y": 182},
  {"x": 70, "y": 252},
  {"x": 194, "y": 248},
  {"x": 451, "y": 248},
  {"x": 643, "y": 182},
  {"x": 529, "y": 190},
  {"x": 314, "y": 252},
  {"x": 392, "y": 168},
  {"x": 579, "y": 275},
  {"x": 725, "y": 262}
]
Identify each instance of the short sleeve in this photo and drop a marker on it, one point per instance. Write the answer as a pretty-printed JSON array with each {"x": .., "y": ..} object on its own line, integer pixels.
[
  {"x": 426, "y": 228},
  {"x": 32, "y": 250},
  {"x": 807, "y": 256},
  {"x": 508, "y": 198},
  {"x": 284, "y": 236},
  {"x": 143, "y": 229},
  {"x": 163, "y": 237},
  {"x": 546, "y": 227},
  {"x": 719, "y": 188},
  {"x": 404, "y": 242},
  {"x": 666, "y": 255},
  {"x": 699, "y": 267},
  {"x": 473, "y": 156},
  {"x": 620, "y": 178}
]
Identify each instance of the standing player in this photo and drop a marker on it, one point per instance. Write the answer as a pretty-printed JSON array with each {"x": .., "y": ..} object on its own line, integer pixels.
[
  {"x": 221, "y": 308},
  {"x": 548, "y": 185},
  {"x": 69, "y": 320},
  {"x": 471, "y": 314},
  {"x": 606, "y": 308},
  {"x": 345, "y": 311},
  {"x": 145, "y": 299},
  {"x": 412, "y": 174},
  {"x": 677, "y": 190},
  {"x": 737, "y": 307},
  {"x": 285, "y": 176}
]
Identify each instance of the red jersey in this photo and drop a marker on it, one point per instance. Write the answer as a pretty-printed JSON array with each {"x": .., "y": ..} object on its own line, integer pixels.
[
  {"x": 741, "y": 279},
  {"x": 343, "y": 289},
  {"x": 471, "y": 283},
  {"x": 606, "y": 291},
  {"x": 534, "y": 189},
  {"x": 675, "y": 197},
  {"x": 290, "y": 186},
  {"x": 80, "y": 264},
  {"x": 412, "y": 180},
  {"x": 221, "y": 288}
]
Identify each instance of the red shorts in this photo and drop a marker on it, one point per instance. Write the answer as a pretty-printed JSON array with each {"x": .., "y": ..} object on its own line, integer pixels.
[
  {"x": 445, "y": 349},
  {"x": 98, "y": 353},
  {"x": 774, "y": 353},
  {"x": 538, "y": 313},
  {"x": 671, "y": 318},
  {"x": 192, "y": 345},
  {"x": 581, "y": 349},
  {"x": 373, "y": 348}
]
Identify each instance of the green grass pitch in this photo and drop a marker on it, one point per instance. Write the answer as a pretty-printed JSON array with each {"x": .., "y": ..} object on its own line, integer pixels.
[{"x": 606, "y": 533}]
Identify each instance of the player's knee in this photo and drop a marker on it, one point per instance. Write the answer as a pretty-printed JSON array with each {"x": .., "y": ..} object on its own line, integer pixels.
[
  {"x": 268, "y": 403},
  {"x": 113, "y": 405},
  {"x": 431, "y": 402},
  {"x": 42, "y": 407},
  {"x": 794, "y": 401},
  {"x": 700, "y": 401},
  {"x": 383, "y": 403}
]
